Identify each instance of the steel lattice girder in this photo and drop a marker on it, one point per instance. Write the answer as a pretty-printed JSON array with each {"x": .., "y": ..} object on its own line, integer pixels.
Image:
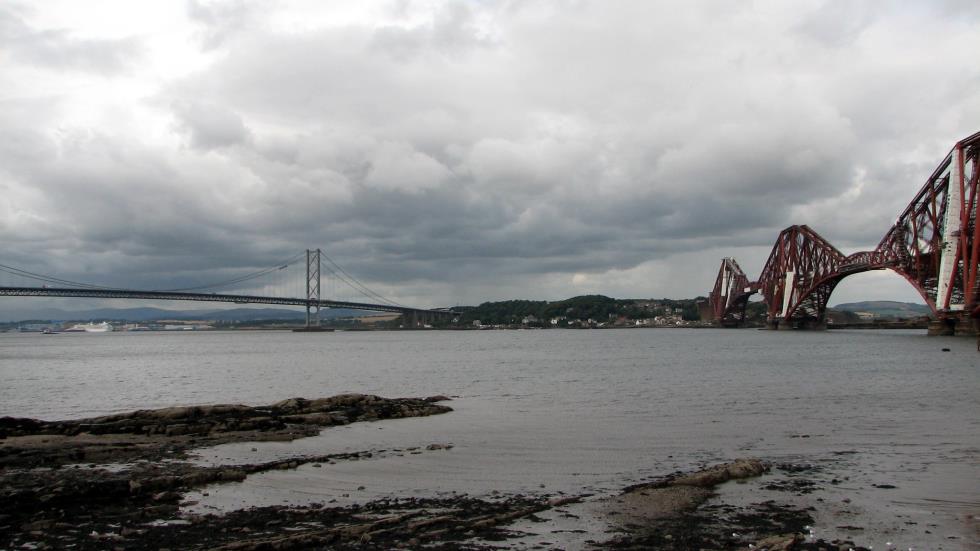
[
  {"x": 934, "y": 239},
  {"x": 731, "y": 291},
  {"x": 933, "y": 245},
  {"x": 797, "y": 273}
]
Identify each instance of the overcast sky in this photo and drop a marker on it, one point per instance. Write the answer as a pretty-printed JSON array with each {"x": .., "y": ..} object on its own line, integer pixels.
[{"x": 456, "y": 152}]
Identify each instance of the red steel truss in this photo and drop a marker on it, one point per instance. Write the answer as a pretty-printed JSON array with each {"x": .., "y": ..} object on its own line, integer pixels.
[
  {"x": 732, "y": 290},
  {"x": 934, "y": 239},
  {"x": 800, "y": 274},
  {"x": 933, "y": 245}
]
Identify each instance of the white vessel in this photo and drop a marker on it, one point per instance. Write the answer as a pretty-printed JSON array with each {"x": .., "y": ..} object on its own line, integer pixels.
[{"x": 103, "y": 327}]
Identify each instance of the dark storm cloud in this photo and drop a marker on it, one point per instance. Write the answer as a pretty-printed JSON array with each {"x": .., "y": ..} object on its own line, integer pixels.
[{"x": 524, "y": 147}]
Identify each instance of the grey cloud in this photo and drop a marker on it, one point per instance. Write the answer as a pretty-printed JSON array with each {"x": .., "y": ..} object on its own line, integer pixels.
[
  {"x": 838, "y": 22},
  {"x": 453, "y": 32},
  {"x": 114, "y": 210},
  {"x": 58, "y": 49},
  {"x": 210, "y": 126},
  {"x": 431, "y": 159},
  {"x": 398, "y": 42},
  {"x": 220, "y": 20}
]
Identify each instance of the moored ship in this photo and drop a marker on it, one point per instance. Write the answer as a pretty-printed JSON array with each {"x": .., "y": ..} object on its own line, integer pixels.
[{"x": 103, "y": 327}]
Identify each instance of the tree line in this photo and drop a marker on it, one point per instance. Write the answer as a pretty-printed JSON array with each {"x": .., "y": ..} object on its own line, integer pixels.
[{"x": 595, "y": 307}]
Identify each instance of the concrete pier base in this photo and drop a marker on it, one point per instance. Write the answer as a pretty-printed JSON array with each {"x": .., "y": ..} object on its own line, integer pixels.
[
  {"x": 313, "y": 329},
  {"x": 960, "y": 326},
  {"x": 797, "y": 325}
]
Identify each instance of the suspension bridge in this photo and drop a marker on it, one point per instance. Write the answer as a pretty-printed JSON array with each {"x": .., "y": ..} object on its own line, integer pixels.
[
  {"x": 933, "y": 245},
  {"x": 295, "y": 281}
]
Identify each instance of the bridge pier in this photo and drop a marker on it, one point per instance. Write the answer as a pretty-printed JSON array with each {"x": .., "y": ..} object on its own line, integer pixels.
[
  {"x": 409, "y": 320},
  {"x": 421, "y": 319},
  {"x": 796, "y": 325},
  {"x": 942, "y": 328},
  {"x": 950, "y": 326}
]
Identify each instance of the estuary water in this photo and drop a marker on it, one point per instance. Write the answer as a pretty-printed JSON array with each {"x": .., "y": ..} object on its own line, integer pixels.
[{"x": 889, "y": 415}]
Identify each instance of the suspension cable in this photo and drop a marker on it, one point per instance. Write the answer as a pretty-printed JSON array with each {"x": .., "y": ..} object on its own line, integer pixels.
[
  {"x": 354, "y": 283},
  {"x": 241, "y": 279},
  {"x": 340, "y": 273},
  {"x": 365, "y": 292},
  {"x": 49, "y": 279}
]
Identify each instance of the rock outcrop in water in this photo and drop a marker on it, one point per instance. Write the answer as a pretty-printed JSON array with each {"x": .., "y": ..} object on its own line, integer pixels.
[
  {"x": 168, "y": 432},
  {"x": 47, "y": 503},
  {"x": 323, "y": 412},
  {"x": 46, "y": 500}
]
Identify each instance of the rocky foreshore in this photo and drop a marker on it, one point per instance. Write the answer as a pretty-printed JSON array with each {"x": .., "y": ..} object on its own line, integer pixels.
[
  {"x": 167, "y": 433},
  {"x": 118, "y": 482}
]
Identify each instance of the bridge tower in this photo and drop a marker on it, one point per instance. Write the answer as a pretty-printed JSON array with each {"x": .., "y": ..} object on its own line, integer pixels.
[
  {"x": 798, "y": 278},
  {"x": 730, "y": 296},
  {"x": 312, "y": 288},
  {"x": 933, "y": 244}
]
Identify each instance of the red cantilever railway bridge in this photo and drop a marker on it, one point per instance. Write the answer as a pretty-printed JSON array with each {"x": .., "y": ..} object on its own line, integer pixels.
[{"x": 933, "y": 245}]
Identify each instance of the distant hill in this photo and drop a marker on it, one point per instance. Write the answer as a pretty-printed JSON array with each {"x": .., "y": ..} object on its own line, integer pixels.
[
  {"x": 151, "y": 314},
  {"x": 886, "y": 308}
]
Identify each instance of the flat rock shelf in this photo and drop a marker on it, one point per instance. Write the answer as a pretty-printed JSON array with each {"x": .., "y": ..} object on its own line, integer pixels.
[{"x": 121, "y": 481}]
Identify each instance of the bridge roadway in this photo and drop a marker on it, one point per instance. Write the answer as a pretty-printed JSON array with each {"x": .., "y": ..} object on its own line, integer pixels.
[{"x": 212, "y": 297}]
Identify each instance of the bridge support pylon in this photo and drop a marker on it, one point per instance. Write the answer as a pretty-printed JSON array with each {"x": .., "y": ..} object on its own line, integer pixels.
[
  {"x": 409, "y": 320},
  {"x": 419, "y": 319},
  {"x": 312, "y": 289}
]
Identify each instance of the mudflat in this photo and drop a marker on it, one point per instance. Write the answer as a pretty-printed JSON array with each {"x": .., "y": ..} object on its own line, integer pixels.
[{"x": 119, "y": 482}]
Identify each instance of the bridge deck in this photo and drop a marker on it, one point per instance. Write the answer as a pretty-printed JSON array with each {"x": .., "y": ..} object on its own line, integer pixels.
[{"x": 206, "y": 297}]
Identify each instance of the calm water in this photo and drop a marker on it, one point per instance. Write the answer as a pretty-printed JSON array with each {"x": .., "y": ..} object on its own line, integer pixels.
[{"x": 562, "y": 410}]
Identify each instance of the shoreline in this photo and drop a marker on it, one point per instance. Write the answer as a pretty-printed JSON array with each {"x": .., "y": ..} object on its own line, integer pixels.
[{"x": 132, "y": 491}]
